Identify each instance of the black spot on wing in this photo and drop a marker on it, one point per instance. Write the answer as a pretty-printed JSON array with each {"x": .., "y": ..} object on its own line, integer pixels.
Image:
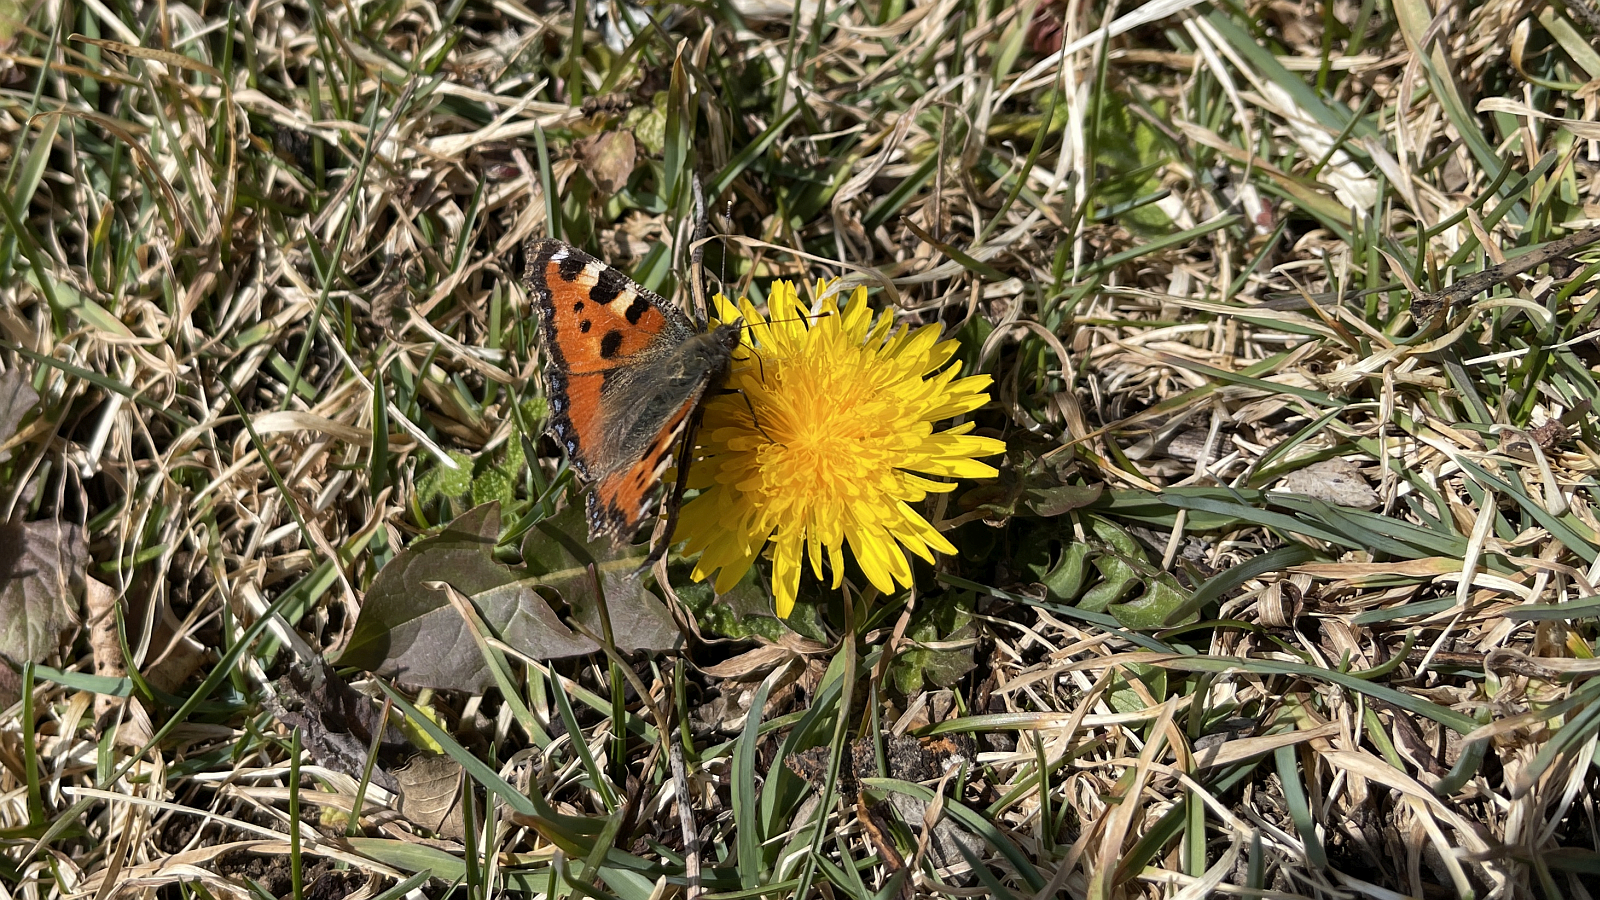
[
  {"x": 608, "y": 286},
  {"x": 610, "y": 344},
  {"x": 570, "y": 266},
  {"x": 637, "y": 309},
  {"x": 585, "y": 325},
  {"x": 577, "y": 307}
]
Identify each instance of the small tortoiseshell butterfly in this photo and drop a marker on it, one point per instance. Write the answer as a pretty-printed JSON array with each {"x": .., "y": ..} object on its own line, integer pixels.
[{"x": 624, "y": 373}]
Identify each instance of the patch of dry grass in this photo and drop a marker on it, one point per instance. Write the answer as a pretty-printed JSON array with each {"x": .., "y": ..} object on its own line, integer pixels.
[{"x": 1285, "y": 589}]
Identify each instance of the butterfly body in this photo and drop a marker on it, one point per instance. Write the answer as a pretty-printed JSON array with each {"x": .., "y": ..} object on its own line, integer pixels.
[{"x": 624, "y": 374}]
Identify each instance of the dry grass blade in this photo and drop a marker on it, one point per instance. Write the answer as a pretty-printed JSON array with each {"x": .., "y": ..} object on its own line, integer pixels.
[{"x": 1284, "y": 586}]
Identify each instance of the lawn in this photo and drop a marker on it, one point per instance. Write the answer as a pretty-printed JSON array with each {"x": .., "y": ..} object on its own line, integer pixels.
[{"x": 1158, "y": 458}]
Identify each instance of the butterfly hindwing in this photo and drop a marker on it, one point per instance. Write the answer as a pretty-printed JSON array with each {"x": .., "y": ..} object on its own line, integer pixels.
[{"x": 616, "y": 497}]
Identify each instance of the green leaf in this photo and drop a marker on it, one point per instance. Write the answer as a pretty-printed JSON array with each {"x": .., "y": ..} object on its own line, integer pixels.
[
  {"x": 441, "y": 480},
  {"x": 410, "y": 857},
  {"x": 410, "y": 632},
  {"x": 1444, "y": 716},
  {"x": 1585, "y": 608},
  {"x": 743, "y": 611},
  {"x": 746, "y": 802},
  {"x": 558, "y": 557},
  {"x": 942, "y": 619},
  {"x": 1064, "y": 575},
  {"x": 1157, "y": 599}
]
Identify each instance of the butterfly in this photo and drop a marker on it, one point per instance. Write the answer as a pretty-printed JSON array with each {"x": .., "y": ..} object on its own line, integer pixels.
[{"x": 624, "y": 374}]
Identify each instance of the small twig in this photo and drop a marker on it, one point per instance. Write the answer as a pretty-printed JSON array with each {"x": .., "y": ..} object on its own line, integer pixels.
[
  {"x": 1428, "y": 309},
  {"x": 691, "y": 835},
  {"x": 680, "y": 777}
]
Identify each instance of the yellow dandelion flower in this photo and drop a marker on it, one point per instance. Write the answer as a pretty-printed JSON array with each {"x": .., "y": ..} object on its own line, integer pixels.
[{"x": 841, "y": 435}]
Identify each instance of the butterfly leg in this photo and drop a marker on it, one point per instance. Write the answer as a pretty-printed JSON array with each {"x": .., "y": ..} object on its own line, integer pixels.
[{"x": 755, "y": 419}]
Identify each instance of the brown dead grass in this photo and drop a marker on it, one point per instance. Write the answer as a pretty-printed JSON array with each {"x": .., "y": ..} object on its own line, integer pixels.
[{"x": 330, "y": 205}]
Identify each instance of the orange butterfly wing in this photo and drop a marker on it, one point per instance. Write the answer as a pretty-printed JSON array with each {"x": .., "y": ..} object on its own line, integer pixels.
[{"x": 624, "y": 371}]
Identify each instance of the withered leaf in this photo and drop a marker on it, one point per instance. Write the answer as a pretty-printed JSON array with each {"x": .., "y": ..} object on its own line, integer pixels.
[
  {"x": 41, "y": 579},
  {"x": 430, "y": 795},
  {"x": 607, "y": 158},
  {"x": 1336, "y": 481},
  {"x": 336, "y": 721}
]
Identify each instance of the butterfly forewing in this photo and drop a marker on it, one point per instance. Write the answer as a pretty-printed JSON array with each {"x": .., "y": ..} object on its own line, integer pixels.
[{"x": 624, "y": 372}]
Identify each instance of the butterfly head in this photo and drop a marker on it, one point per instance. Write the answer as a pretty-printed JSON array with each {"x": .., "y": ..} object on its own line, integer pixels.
[
  {"x": 729, "y": 335},
  {"x": 719, "y": 344}
]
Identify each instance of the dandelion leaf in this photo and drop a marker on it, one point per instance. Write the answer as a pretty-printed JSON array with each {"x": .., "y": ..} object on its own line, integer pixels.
[
  {"x": 1056, "y": 561},
  {"x": 941, "y": 621},
  {"x": 409, "y": 631},
  {"x": 743, "y": 611},
  {"x": 1110, "y": 573},
  {"x": 559, "y": 555}
]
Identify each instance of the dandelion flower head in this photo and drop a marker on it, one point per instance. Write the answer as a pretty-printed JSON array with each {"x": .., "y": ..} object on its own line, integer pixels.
[{"x": 824, "y": 440}]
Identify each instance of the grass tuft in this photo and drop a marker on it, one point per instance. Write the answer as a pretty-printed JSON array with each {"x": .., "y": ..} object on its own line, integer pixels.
[{"x": 1286, "y": 585}]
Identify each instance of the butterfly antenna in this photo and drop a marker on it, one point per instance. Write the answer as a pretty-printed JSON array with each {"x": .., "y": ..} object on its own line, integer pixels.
[
  {"x": 750, "y": 328},
  {"x": 761, "y": 364},
  {"x": 806, "y": 318}
]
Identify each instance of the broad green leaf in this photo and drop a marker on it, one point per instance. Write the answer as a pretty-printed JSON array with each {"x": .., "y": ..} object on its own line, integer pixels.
[
  {"x": 408, "y": 629},
  {"x": 559, "y": 555}
]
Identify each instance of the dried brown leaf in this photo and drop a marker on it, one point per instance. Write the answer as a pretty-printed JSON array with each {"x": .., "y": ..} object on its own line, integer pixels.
[
  {"x": 430, "y": 795},
  {"x": 41, "y": 575}
]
